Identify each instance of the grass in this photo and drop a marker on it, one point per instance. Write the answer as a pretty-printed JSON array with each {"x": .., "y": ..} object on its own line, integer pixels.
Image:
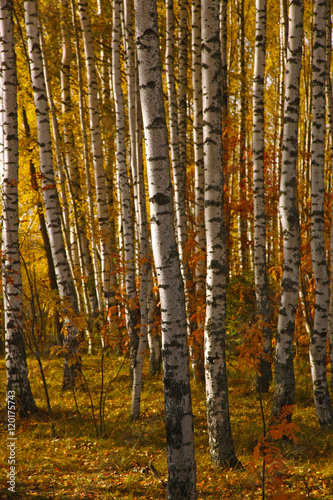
[{"x": 76, "y": 464}]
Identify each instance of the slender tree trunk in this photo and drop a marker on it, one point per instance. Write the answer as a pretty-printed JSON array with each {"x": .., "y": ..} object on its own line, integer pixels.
[
  {"x": 275, "y": 242},
  {"x": 244, "y": 252},
  {"x": 89, "y": 187},
  {"x": 144, "y": 264},
  {"x": 177, "y": 120},
  {"x": 200, "y": 272},
  {"x": 43, "y": 229},
  {"x": 329, "y": 105},
  {"x": 222, "y": 450},
  {"x": 96, "y": 144},
  {"x": 86, "y": 266},
  {"x": 72, "y": 365},
  {"x": 284, "y": 366},
  {"x": 178, "y": 407},
  {"x": 319, "y": 333},
  {"x": 225, "y": 122},
  {"x": 146, "y": 279},
  {"x": 260, "y": 270},
  {"x": 107, "y": 113},
  {"x": 132, "y": 319},
  {"x": 65, "y": 218},
  {"x": 18, "y": 385},
  {"x": 180, "y": 172}
]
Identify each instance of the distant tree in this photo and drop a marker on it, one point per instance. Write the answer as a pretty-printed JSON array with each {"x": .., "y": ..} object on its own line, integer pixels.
[
  {"x": 178, "y": 407},
  {"x": 16, "y": 365}
]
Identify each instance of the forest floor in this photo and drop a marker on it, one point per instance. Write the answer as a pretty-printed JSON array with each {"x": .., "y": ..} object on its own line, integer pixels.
[{"x": 130, "y": 461}]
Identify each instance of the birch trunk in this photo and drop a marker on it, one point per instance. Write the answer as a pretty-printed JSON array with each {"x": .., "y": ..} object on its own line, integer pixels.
[
  {"x": 96, "y": 144},
  {"x": 72, "y": 363},
  {"x": 219, "y": 429},
  {"x": 284, "y": 368},
  {"x": 65, "y": 218},
  {"x": 144, "y": 264},
  {"x": 146, "y": 293},
  {"x": 200, "y": 272},
  {"x": 329, "y": 104},
  {"x": 86, "y": 266},
  {"x": 43, "y": 229},
  {"x": 177, "y": 120},
  {"x": 125, "y": 199},
  {"x": 180, "y": 172},
  {"x": 244, "y": 253},
  {"x": 319, "y": 333},
  {"x": 178, "y": 407},
  {"x": 260, "y": 270},
  {"x": 18, "y": 383},
  {"x": 224, "y": 60},
  {"x": 97, "y": 274},
  {"x": 224, "y": 83}
]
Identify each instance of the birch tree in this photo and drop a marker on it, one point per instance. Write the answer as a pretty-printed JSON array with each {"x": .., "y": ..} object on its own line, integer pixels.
[
  {"x": 93, "y": 238},
  {"x": 180, "y": 172},
  {"x": 177, "y": 118},
  {"x": 221, "y": 445},
  {"x": 16, "y": 365},
  {"x": 72, "y": 362},
  {"x": 260, "y": 269},
  {"x": 178, "y": 407},
  {"x": 319, "y": 333},
  {"x": 132, "y": 318},
  {"x": 97, "y": 154},
  {"x": 200, "y": 272},
  {"x": 244, "y": 252},
  {"x": 329, "y": 105},
  {"x": 284, "y": 369},
  {"x": 72, "y": 165},
  {"x": 146, "y": 336}
]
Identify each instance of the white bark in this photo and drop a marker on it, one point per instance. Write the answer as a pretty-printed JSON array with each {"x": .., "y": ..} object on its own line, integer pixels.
[
  {"x": 219, "y": 429},
  {"x": 96, "y": 267},
  {"x": 177, "y": 121},
  {"x": 319, "y": 334},
  {"x": 284, "y": 369},
  {"x": 180, "y": 172},
  {"x": 200, "y": 272},
  {"x": 50, "y": 197},
  {"x": 16, "y": 365},
  {"x": 178, "y": 408},
  {"x": 144, "y": 264},
  {"x": 87, "y": 273},
  {"x": 96, "y": 144},
  {"x": 244, "y": 250},
  {"x": 260, "y": 270},
  {"x": 329, "y": 104},
  {"x": 126, "y": 208}
]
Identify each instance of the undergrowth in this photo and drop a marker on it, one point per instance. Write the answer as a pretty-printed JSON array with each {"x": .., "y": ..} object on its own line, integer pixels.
[{"x": 130, "y": 460}]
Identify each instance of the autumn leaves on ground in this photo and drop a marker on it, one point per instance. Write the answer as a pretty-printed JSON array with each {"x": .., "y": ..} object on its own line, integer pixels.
[{"x": 130, "y": 461}]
